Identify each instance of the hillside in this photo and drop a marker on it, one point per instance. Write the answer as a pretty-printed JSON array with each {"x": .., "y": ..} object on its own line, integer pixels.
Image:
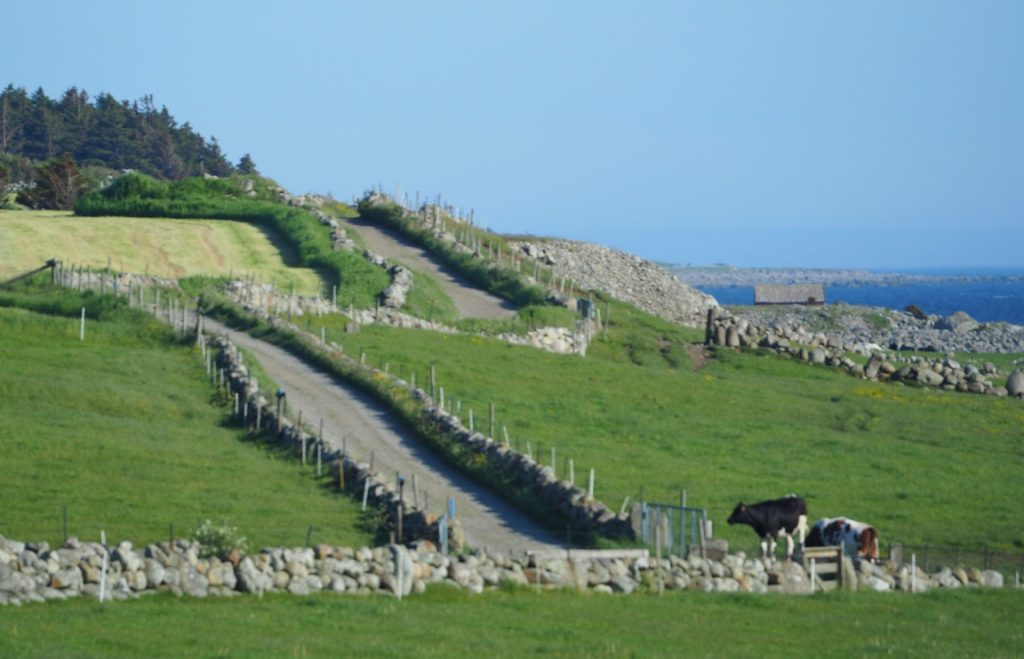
[
  {"x": 123, "y": 433},
  {"x": 165, "y": 247},
  {"x": 743, "y": 427}
]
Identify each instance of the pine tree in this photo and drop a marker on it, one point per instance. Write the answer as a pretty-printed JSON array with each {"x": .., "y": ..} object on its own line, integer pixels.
[{"x": 247, "y": 166}]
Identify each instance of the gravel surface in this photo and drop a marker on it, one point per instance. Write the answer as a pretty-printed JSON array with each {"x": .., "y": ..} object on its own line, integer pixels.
[
  {"x": 470, "y": 301},
  {"x": 486, "y": 519}
]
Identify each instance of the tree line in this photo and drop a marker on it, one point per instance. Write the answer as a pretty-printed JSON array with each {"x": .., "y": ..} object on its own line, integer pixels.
[{"x": 76, "y": 141}]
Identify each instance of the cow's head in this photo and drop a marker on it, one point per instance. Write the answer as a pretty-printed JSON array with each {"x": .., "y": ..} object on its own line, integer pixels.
[
  {"x": 739, "y": 514},
  {"x": 869, "y": 544}
]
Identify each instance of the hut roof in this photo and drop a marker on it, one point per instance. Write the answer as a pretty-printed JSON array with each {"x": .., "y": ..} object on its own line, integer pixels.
[{"x": 789, "y": 294}]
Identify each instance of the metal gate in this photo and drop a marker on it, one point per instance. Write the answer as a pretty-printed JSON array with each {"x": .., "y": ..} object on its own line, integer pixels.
[{"x": 681, "y": 526}]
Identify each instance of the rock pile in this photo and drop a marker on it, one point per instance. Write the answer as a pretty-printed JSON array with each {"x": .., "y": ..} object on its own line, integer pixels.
[
  {"x": 624, "y": 276},
  {"x": 724, "y": 329},
  {"x": 895, "y": 330},
  {"x": 35, "y": 572}
]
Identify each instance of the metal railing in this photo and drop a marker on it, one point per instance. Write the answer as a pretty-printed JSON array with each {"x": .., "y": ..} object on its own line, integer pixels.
[{"x": 681, "y": 526}]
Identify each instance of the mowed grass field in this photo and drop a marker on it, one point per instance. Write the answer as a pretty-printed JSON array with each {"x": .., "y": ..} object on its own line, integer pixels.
[
  {"x": 443, "y": 623},
  {"x": 924, "y": 466},
  {"x": 125, "y": 432},
  {"x": 164, "y": 247}
]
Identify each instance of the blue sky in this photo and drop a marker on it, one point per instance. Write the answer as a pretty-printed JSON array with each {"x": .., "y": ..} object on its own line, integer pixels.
[{"x": 833, "y": 134}]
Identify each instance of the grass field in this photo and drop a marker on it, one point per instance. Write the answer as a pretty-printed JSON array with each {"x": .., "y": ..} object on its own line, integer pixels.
[
  {"x": 125, "y": 432},
  {"x": 443, "y": 623},
  {"x": 165, "y": 247},
  {"x": 924, "y": 466}
]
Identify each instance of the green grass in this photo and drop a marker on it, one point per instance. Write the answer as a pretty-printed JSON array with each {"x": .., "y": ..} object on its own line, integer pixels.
[
  {"x": 134, "y": 195},
  {"x": 165, "y": 247},
  {"x": 126, "y": 433},
  {"x": 443, "y": 623},
  {"x": 924, "y": 466},
  {"x": 426, "y": 299}
]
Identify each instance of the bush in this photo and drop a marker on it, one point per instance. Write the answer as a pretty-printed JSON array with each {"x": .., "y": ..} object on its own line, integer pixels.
[{"x": 218, "y": 541}]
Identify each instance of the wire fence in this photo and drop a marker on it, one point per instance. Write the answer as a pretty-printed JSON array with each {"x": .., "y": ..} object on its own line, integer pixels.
[{"x": 931, "y": 557}]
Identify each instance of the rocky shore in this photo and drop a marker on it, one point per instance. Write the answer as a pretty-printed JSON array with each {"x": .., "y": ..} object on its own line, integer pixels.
[
  {"x": 734, "y": 276},
  {"x": 892, "y": 330}
]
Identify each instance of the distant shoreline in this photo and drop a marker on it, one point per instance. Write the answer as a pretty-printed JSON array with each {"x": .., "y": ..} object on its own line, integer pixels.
[{"x": 725, "y": 276}]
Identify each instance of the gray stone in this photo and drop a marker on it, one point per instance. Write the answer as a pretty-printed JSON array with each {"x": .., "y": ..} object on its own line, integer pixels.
[
  {"x": 623, "y": 585},
  {"x": 1015, "y": 383},
  {"x": 929, "y": 377}
]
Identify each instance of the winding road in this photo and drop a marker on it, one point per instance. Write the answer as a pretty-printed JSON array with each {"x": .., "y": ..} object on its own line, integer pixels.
[
  {"x": 368, "y": 428},
  {"x": 470, "y": 301}
]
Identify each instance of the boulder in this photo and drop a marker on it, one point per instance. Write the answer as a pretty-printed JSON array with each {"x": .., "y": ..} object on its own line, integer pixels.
[
  {"x": 959, "y": 323},
  {"x": 1015, "y": 383}
]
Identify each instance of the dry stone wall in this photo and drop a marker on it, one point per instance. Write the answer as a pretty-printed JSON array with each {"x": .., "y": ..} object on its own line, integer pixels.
[
  {"x": 256, "y": 411},
  {"x": 36, "y": 572},
  {"x": 724, "y": 329}
]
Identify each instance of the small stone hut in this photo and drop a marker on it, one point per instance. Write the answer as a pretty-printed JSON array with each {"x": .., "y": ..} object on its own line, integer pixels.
[{"x": 789, "y": 294}]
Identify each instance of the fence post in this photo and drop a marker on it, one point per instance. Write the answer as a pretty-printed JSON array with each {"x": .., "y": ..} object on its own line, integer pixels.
[
  {"x": 590, "y": 487},
  {"x": 81, "y": 329}
]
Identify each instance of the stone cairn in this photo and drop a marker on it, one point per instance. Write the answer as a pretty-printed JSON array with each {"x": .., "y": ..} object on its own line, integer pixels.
[
  {"x": 724, "y": 329},
  {"x": 35, "y": 572}
]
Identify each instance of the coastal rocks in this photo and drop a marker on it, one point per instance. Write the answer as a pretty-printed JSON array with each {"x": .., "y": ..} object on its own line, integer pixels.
[
  {"x": 794, "y": 340},
  {"x": 624, "y": 276}
]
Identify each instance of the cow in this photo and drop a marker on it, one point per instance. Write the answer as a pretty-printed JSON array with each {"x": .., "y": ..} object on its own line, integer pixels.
[
  {"x": 771, "y": 519},
  {"x": 858, "y": 539}
]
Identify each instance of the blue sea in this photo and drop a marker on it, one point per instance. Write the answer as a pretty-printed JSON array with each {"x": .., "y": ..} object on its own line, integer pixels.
[{"x": 986, "y": 301}]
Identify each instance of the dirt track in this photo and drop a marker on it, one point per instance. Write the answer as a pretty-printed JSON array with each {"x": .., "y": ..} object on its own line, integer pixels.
[
  {"x": 471, "y": 302},
  {"x": 487, "y": 520}
]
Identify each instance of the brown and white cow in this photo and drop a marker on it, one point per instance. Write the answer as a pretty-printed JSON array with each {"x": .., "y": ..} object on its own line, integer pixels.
[{"x": 858, "y": 539}]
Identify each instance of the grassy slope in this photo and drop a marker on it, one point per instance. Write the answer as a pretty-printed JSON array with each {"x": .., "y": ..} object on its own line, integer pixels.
[
  {"x": 125, "y": 431},
  {"x": 444, "y": 623},
  {"x": 925, "y": 466},
  {"x": 165, "y": 247}
]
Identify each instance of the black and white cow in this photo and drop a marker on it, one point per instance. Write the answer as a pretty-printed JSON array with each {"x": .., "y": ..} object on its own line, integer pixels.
[
  {"x": 858, "y": 539},
  {"x": 772, "y": 519}
]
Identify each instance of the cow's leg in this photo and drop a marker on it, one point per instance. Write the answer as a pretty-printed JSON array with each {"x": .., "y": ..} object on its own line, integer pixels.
[
  {"x": 789, "y": 547},
  {"x": 801, "y": 528},
  {"x": 764, "y": 547},
  {"x": 771, "y": 547}
]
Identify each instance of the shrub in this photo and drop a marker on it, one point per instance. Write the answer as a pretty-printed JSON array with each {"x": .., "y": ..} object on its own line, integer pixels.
[{"x": 218, "y": 541}]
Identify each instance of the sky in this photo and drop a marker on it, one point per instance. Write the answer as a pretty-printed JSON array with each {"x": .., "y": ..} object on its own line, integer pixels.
[{"x": 870, "y": 134}]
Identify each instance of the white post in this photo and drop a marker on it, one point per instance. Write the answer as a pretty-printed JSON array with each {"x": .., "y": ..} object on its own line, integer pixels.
[
  {"x": 814, "y": 574},
  {"x": 913, "y": 573},
  {"x": 103, "y": 569},
  {"x": 366, "y": 491},
  {"x": 81, "y": 329},
  {"x": 572, "y": 472},
  {"x": 590, "y": 488}
]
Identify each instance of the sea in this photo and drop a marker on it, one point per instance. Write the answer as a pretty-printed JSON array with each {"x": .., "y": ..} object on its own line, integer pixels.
[{"x": 992, "y": 299}]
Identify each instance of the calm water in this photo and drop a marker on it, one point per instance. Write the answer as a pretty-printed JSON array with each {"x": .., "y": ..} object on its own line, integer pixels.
[{"x": 987, "y": 301}]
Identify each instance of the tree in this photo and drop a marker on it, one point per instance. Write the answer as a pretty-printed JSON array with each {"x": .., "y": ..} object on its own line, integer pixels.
[
  {"x": 247, "y": 166},
  {"x": 58, "y": 185},
  {"x": 3, "y": 186}
]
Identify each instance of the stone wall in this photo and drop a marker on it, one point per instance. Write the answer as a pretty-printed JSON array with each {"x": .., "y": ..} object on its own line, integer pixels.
[
  {"x": 258, "y": 413},
  {"x": 724, "y": 329},
  {"x": 35, "y": 572}
]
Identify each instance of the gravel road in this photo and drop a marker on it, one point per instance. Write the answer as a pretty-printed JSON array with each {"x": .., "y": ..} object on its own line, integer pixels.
[
  {"x": 486, "y": 519},
  {"x": 470, "y": 301}
]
